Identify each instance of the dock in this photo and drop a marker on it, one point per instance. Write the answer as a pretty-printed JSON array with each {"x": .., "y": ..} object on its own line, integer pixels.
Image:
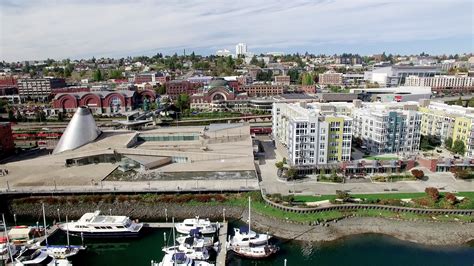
[
  {"x": 222, "y": 254},
  {"x": 158, "y": 225}
]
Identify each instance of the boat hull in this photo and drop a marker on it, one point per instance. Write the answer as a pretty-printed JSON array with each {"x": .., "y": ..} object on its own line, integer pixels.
[{"x": 105, "y": 234}]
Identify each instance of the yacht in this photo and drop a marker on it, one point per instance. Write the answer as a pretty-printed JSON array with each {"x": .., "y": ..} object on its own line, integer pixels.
[
  {"x": 204, "y": 225},
  {"x": 198, "y": 252},
  {"x": 96, "y": 225},
  {"x": 243, "y": 236},
  {"x": 28, "y": 256},
  {"x": 194, "y": 238},
  {"x": 7, "y": 249},
  {"x": 254, "y": 252}
]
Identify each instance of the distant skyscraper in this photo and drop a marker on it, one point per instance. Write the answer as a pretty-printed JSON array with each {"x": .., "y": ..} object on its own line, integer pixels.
[{"x": 240, "y": 49}]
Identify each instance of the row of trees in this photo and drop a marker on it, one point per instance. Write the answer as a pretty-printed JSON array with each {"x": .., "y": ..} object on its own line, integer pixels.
[{"x": 457, "y": 146}]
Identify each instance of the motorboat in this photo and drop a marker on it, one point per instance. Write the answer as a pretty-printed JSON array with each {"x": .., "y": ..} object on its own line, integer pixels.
[
  {"x": 194, "y": 238},
  {"x": 62, "y": 252},
  {"x": 204, "y": 225},
  {"x": 198, "y": 252},
  {"x": 30, "y": 256},
  {"x": 254, "y": 252},
  {"x": 176, "y": 259},
  {"x": 243, "y": 236},
  {"x": 102, "y": 226}
]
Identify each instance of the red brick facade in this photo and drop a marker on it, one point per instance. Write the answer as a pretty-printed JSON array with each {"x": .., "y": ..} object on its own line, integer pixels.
[
  {"x": 177, "y": 87},
  {"x": 7, "y": 145}
]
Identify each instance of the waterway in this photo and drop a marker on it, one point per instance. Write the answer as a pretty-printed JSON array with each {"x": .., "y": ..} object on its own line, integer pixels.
[{"x": 368, "y": 249}]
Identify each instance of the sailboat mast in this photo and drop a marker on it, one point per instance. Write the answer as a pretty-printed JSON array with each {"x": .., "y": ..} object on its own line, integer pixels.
[
  {"x": 6, "y": 235},
  {"x": 174, "y": 241},
  {"x": 67, "y": 233},
  {"x": 250, "y": 222},
  {"x": 45, "y": 232}
]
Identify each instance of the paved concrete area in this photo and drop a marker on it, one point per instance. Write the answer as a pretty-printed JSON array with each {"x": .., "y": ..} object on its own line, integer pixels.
[{"x": 272, "y": 184}]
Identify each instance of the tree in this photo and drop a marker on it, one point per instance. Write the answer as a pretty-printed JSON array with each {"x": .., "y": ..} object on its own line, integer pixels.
[
  {"x": 254, "y": 60},
  {"x": 284, "y": 160},
  {"x": 97, "y": 76},
  {"x": 418, "y": 174},
  {"x": 459, "y": 147},
  {"x": 161, "y": 89},
  {"x": 459, "y": 101},
  {"x": 279, "y": 165},
  {"x": 294, "y": 74},
  {"x": 291, "y": 173},
  {"x": 182, "y": 102},
  {"x": 451, "y": 198},
  {"x": 11, "y": 115},
  {"x": 307, "y": 79},
  {"x": 115, "y": 74},
  {"x": 448, "y": 143},
  {"x": 40, "y": 116},
  {"x": 265, "y": 75},
  {"x": 432, "y": 192}
]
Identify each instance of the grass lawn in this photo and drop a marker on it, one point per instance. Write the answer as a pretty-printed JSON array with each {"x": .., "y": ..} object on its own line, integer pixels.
[
  {"x": 308, "y": 198},
  {"x": 381, "y": 158}
]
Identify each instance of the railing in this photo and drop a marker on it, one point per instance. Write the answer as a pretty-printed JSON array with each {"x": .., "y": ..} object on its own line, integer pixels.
[{"x": 350, "y": 207}]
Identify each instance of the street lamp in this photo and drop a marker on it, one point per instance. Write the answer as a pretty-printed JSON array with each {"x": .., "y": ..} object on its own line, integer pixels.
[
  {"x": 166, "y": 214},
  {"x": 59, "y": 217}
]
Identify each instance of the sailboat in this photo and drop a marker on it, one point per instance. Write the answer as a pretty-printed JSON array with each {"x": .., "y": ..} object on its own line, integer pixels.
[
  {"x": 59, "y": 251},
  {"x": 249, "y": 244}
]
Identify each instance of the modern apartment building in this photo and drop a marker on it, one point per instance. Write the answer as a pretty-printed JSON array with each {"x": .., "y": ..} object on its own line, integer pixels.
[
  {"x": 313, "y": 134},
  {"x": 387, "y": 127},
  {"x": 393, "y": 76},
  {"x": 444, "y": 121},
  {"x": 38, "y": 88},
  {"x": 240, "y": 49}
]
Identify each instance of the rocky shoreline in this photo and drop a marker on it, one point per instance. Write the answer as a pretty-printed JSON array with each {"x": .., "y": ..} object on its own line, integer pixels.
[{"x": 423, "y": 232}]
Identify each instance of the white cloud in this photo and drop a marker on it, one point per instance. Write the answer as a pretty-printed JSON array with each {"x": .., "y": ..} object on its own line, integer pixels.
[{"x": 59, "y": 29}]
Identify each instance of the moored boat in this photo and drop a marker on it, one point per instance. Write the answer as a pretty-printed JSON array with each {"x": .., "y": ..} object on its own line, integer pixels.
[
  {"x": 204, "y": 225},
  {"x": 102, "y": 226},
  {"x": 255, "y": 252}
]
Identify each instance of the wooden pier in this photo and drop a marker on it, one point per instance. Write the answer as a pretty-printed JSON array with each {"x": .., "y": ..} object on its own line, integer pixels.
[
  {"x": 158, "y": 225},
  {"x": 222, "y": 254}
]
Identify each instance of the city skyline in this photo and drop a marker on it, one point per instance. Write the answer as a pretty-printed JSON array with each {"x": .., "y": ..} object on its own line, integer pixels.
[{"x": 82, "y": 29}]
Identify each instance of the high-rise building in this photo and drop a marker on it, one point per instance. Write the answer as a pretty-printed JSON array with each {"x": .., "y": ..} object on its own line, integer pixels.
[
  {"x": 240, "y": 49},
  {"x": 313, "y": 134}
]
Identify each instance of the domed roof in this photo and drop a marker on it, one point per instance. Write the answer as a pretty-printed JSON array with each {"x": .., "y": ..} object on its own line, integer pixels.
[{"x": 217, "y": 83}]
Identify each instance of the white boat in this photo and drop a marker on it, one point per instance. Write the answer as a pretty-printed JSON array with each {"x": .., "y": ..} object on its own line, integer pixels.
[
  {"x": 198, "y": 252},
  {"x": 204, "y": 225},
  {"x": 243, "y": 236},
  {"x": 194, "y": 238},
  {"x": 6, "y": 249},
  {"x": 249, "y": 244},
  {"x": 176, "y": 259},
  {"x": 255, "y": 252},
  {"x": 62, "y": 252},
  {"x": 102, "y": 226},
  {"x": 33, "y": 257}
]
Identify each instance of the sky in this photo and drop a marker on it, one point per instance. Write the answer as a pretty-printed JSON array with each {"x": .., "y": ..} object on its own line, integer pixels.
[{"x": 40, "y": 29}]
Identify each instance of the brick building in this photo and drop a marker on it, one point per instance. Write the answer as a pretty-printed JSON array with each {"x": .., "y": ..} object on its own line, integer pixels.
[
  {"x": 38, "y": 88},
  {"x": 259, "y": 90},
  {"x": 176, "y": 87},
  {"x": 282, "y": 80},
  {"x": 100, "y": 102},
  {"x": 8, "y": 86},
  {"x": 7, "y": 146},
  {"x": 151, "y": 78}
]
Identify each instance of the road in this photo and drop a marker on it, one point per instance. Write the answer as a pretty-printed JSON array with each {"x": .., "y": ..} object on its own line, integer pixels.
[{"x": 272, "y": 184}]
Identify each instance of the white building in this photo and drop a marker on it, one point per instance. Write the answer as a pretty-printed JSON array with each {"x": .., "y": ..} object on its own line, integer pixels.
[
  {"x": 388, "y": 127},
  {"x": 313, "y": 134},
  {"x": 241, "y": 49},
  {"x": 441, "y": 82},
  {"x": 224, "y": 52}
]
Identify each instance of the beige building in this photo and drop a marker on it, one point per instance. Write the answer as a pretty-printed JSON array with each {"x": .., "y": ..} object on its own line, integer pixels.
[{"x": 330, "y": 78}]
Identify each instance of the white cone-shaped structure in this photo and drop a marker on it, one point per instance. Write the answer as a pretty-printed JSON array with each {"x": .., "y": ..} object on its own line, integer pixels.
[{"x": 80, "y": 131}]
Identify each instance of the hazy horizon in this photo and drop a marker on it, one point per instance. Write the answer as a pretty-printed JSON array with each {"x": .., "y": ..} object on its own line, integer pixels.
[{"x": 75, "y": 29}]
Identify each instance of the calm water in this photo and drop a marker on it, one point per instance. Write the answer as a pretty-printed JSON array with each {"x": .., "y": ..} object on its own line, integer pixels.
[{"x": 357, "y": 250}]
